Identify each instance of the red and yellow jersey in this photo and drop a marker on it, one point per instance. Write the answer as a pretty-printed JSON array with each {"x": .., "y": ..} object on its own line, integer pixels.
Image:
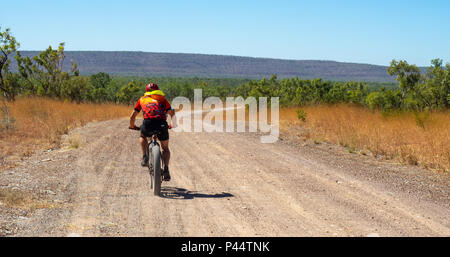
[{"x": 153, "y": 105}]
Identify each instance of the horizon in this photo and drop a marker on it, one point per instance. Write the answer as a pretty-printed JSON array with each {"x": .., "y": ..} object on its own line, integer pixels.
[
  {"x": 316, "y": 60},
  {"x": 345, "y": 31}
]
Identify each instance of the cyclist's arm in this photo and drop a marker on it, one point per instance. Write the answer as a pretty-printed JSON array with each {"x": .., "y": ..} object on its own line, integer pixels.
[
  {"x": 169, "y": 109},
  {"x": 137, "y": 109},
  {"x": 171, "y": 112},
  {"x": 133, "y": 119}
]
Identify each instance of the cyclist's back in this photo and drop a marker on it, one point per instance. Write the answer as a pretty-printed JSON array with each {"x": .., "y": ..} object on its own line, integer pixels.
[{"x": 154, "y": 107}]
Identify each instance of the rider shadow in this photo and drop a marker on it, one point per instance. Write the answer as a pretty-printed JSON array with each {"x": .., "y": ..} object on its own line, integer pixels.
[{"x": 181, "y": 193}]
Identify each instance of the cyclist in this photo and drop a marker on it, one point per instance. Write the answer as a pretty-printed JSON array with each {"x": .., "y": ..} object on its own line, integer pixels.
[{"x": 154, "y": 107}]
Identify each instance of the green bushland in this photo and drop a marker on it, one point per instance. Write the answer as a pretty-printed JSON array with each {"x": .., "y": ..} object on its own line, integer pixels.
[{"x": 414, "y": 91}]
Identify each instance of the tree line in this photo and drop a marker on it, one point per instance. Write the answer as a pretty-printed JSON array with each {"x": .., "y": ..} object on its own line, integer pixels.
[
  {"x": 43, "y": 75},
  {"x": 415, "y": 91}
]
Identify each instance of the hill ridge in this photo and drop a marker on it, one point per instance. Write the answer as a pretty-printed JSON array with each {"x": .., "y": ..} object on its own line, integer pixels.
[{"x": 139, "y": 63}]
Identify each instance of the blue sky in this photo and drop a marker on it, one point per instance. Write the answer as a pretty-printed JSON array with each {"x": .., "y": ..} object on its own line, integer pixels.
[{"x": 350, "y": 31}]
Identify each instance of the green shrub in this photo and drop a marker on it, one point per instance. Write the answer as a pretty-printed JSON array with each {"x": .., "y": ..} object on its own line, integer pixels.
[
  {"x": 421, "y": 118},
  {"x": 301, "y": 114}
]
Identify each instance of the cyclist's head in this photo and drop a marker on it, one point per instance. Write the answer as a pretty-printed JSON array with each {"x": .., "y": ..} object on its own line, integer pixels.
[{"x": 151, "y": 87}]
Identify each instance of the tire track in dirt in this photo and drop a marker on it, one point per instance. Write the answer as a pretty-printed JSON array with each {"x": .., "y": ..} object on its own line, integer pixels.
[{"x": 358, "y": 198}]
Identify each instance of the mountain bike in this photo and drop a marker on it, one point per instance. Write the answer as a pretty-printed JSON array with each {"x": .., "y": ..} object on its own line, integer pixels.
[{"x": 155, "y": 162}]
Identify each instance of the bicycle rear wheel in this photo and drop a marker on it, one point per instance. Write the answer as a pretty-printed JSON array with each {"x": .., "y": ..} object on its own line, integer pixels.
[
  {"x": 150, "y": 164},
  {"x": 156, "y": 163}
]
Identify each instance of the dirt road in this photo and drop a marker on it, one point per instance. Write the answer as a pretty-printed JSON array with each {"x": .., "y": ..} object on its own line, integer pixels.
[{"x": 223, "y": 184}]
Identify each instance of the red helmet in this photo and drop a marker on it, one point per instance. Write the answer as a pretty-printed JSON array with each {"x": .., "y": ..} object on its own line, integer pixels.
[{"x": 151, "y": 87}]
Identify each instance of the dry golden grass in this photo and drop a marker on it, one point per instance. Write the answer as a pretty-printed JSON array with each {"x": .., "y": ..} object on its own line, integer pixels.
[
  {"x": 40, "y": 122},
  {"x": 410, "y": 138}
]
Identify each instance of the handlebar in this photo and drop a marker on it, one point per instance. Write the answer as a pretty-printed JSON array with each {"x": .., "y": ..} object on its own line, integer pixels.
[{"x": 139, "y": 128}]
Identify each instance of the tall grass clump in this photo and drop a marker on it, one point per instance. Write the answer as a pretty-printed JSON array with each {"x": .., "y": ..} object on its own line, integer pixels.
[
  {"x": 410, "y": 137},
  {"x": 6, "y": 120}
]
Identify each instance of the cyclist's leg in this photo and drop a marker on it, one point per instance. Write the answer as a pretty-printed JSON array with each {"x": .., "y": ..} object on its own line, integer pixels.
[
  {"x": 163, "y": 137},
  {"x": 144, "y": 144},
  {"x": 166, "y": 158},
  {"x": 165, "y": 151}
]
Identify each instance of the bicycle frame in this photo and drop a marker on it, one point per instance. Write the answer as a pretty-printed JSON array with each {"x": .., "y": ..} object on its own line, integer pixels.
[{"x": 151, "y": 141}]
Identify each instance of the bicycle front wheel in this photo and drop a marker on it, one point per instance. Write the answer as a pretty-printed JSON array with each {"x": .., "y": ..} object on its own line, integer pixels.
[{"x": 156, "y": 161}]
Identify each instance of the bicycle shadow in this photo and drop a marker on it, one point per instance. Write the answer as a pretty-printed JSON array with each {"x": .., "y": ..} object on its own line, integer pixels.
[{"x": 184, "y": 194}]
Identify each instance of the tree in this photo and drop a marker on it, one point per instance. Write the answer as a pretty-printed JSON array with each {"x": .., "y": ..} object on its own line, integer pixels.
[
  {"x": 129, "y": 93},
  {"x": 437, "y": 85},
  {"x": 24, "y": 65},
  {"x": 49, "y": 67},
  {"x": 375, "y": 100},
  {"x": 386, "y": 100},
  {"x": 8, "y": 45},
  {"x": 43, "y": 74},
  {"x": 429, "y": 91},
  {"x": 76, "y": 88},
  {"x": 100, "y": 82},
  {"x": 407, "y": 75}
]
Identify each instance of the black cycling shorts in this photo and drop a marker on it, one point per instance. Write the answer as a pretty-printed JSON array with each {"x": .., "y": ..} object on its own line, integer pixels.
[{"x": 155, "y": 126}]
